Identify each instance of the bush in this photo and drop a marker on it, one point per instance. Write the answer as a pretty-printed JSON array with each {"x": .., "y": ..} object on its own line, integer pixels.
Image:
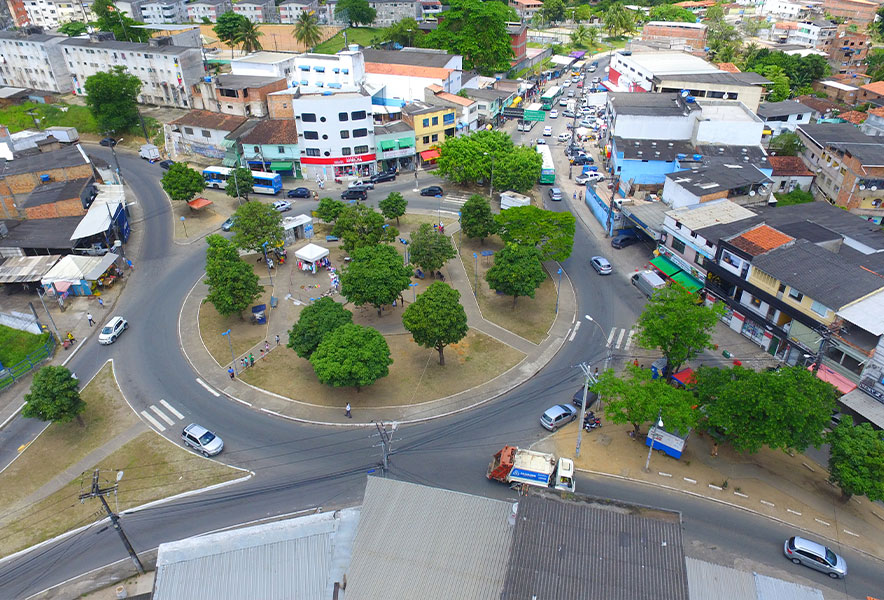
[{"x": 796, "y": 196}]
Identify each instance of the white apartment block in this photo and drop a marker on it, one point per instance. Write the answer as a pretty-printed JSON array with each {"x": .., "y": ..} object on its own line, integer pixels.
[
  {"x": 266, "y": 64},
  {"x": 159, "y": 12},
  {"x": 34, "y": 61},
  {"x": 290, "y": 10},
  {"x": 257, "y": 11},
  {"x": 167, "y": 73},
  {"x": 51, "y": 14},
  {"x": 344, "y": 71},
  {"x": 210, "y": 9},
  {"x": 388, "y": 11}
]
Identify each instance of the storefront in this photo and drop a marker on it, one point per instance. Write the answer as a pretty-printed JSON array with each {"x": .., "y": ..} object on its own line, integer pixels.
[
  {"x": 321, "y": 168},
  {"x": 429, "y": 157},
  {"x": 396, "y": 155}
]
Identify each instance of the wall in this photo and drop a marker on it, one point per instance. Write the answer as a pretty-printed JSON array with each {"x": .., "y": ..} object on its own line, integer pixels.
[{"x": 654, "y": 128}]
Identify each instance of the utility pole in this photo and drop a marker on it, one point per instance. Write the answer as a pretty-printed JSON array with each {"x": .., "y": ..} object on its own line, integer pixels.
[
  {"x": 386, "y": 441},
  {"x": 821, "y": 352},
  {"x": 99, "y": 492},
  {"x": 614, "y": 186},
  {"x": 588, "y": 379}
]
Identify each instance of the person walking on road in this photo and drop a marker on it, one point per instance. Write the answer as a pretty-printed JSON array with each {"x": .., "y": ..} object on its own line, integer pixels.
[
  {"x": 101, "y": 303},
  {"x": 251, "y": 360},
  {"x": 90, "y": 319},
  {"x": 277, "y": 339},
  {"x": 347, "y": 411}
]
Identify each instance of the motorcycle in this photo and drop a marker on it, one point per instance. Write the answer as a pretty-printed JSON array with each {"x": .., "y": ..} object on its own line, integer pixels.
[{"x": 591, "y": 422}]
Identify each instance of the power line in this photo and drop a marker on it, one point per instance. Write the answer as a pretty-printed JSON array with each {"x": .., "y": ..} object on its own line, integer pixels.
[{"x": 99, "y": 492}]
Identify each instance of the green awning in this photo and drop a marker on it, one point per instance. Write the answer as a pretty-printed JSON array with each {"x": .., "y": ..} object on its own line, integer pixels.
[
  {"x": 406, "y": 143},
  {"x": 665, "y": 265},
  {"x": 281, "y": 165},
  {"x": 688, "y": 282},
  {"x": 225, "y": 143},
  {"x": 229, "y": 161},
  {"x": 387, "y": 145}
]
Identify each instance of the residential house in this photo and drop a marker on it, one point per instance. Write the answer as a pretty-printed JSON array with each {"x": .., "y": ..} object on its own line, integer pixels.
[
  {"x": 837, "y": 91},
  {"x": 290, "y": 10},
  {"x": 257, "y": 11},
  {"x": 872, "y": 92},
  {"x": 849, "y": 167},
  {"x": 822, "y": 108},
  {"x": 788, "y": 9},
  {"x": 819, "y": 34},
  {"x": 676, "y": 35},
  {"x": 849, "y": 51},
  {"x": 272, "y": 145},
  {"x": 432, "y": 125},
  {"x": 789, "y": 173},
  {"x": 854, "y": 117},
  {"x": 742, "y": 183},
  {"x": 55, "y": 199},
  {"x": 242, "y": 95},
  {"x": 698, "y": 7},
  {"x": 782, "y": 116},
  {"x": 202, "y": 132},
  {"x": 466, "y": 109},
  {"x": 857, "y": 339},
  {"x": 34, "y": 61},
  {"x": 396, "y": 146},
  {"x": 208, "y": 9},
  {"x": 526, "y": 9},
  {"x": 874, "y": 123},
  {"x": 430, "y": 8},
  {"x": 159, "y": 12},
  {"x": 859, "y": 12},
  {"x": 491, "y": 103},
  {"x": 405, "y": 73}
]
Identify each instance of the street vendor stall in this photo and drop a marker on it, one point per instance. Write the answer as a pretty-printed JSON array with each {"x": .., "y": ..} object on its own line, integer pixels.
[
  {"x": 76, "y": 275},
  {"x": 297, "y": 228},
  {"x": 312, "y": 257},
  {"x": 669, "y": 442}
]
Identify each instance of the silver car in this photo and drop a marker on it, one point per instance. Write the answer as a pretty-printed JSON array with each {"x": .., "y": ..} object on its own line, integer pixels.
[
  {"x": 202, "y": 440},
  {"x": 816, "y": 556},
  {"x": 601, "y": 265},
  {"x": 558, "y": 415}
]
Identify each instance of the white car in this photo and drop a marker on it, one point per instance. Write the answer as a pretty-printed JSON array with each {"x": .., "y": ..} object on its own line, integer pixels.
[
  {"x": 362, "y": 184},
  {"x": 547, "y": 131},
  {"x": 564, "y": 137},
  {"x": 282, "y": 205},
  {"x": 112, "y": 330},
  {"x": 586, "y": 178},
  {"x": 553, "y": 114}
]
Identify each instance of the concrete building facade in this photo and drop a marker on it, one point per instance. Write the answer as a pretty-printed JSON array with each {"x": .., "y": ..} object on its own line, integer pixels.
[
  {"x": 676, "y": 35},
  {"x": 34, "y": 61},
  {"x": 257, "y": 11},
  {"x": 209, "y": 9}
]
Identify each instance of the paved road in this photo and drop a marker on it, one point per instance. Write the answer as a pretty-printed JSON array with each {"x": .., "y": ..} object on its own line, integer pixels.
[{"x": 300, "y": 466}]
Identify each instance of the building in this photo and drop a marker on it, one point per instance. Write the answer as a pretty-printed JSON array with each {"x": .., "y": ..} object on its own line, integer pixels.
[
  {"x": 747, "y": 88},
  {"x": 491, "y": 103},
  {"x": 266, "y": 64},
  {"x": 159, "y": 12},
  {"x": 872, "y": 92},
  {"x": 202, "y": 132},
  {"x": 698, "y": 7},
  {"x": 257, "y": 11},
  {"x": 849, "y": 51},
  {"x": 782, "y": 116},
  {"x": 317, "y": 72},
  {"x": 837, "y": 91},
  {"x": 241, "y": 95},
  {"x": 874, "y": 124},
  {"x": 856, "y": 344},
  {"x": 396, "y": 146},
  {"x": 819, "y": 34},
  {"x": 860, "y": 12},
  {"x": 34, "y": 61},
  {"x": 290, "y": 10},
  {"x": 272, "y": 145},
  {"x": 789, "y": 9},
  {"x": 742, "y": 183},
  {"x": 676, "y": 35},
  {"x": 789, "y": 173},
  {"x": 526, "y": 9},
  {"x": 19, "y": 12},
  {"x": 207, "y": 9},
  {"x": 518, "y": 41},
  {"x": 432, "y": 125},
  {"x": 466, "y": 109},
  {"x": 404, "y": 74},
  {"x": 50, "y": 14},
  {"x": 393, "y": 11}
]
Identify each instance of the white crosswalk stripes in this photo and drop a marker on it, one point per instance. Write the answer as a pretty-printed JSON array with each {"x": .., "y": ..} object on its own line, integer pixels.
[
  {"x": 620, "y": 339},
  {"x": 460, "y": 199},
  {"x": 161, "y": 415}
]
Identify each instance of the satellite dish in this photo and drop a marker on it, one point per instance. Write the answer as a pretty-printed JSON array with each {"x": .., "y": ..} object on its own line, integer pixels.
[
  {"x": 751, "y": 192},
  {"x": 862, "y": 187},
  {"x": 874, "y": 188}
]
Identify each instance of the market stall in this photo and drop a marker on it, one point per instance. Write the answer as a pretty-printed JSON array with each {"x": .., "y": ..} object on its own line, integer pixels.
[
  {"x": 76, "y": 275},
  {"x": 313, "y": 258},
  {"x": 297, "y": 228}
]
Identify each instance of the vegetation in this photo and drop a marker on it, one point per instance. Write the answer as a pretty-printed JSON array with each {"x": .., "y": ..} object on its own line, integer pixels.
[
  {"x": 471, "y": 159},
  {"x": 15, "y": 345},
  {"x": 375, "y": 276},
  {"x": 585, "y": 37},
  {"x": 361, "y": 226},
  {"x": 618, "y": 20},
  {"x": 228, "y": 26},
  {"x": 355, "y": 35},
  {"x": 351, "y": 355},
  {"x": 73, "y": 28},
  {"x": 856, "y": 459},
  {"x": 239, "y": 183},
  {"x": 232, "y": 283},
  {"x": 477, "y": 31},
  {"x": 796, "y": 196},
  {"x": 670, "y": 12},
  {"x": 257, "y": 226},
  {"x": 551, "y": 233},
  {"x": 786, "y": 144},
  {"x": 436, "y": 318},
  {"x": 306, "y": 30},
  {"x": 329, "y": 209},
  {"x": 430, "y": 248},
  {"x": 247, "y": 37},
  {"x": 16, "y": 118},
  {"x": 315, "y": 322},
  {"x": 476, "y": 218},
  {"x": 182, "y": 183},
  {"x": 517, "y": 271},
  {"x": 112, "y": 97},
  {"x": 553, "y": 10},
  {"x": 355, "y": 12},
  {"x": 110, "y": 18},
  {"x": 405, "y": 33},
  {"x": 54, "y": 396},
  {"x": 722, "y": 38},
  {"x": 793, "y": 74},
  {"x": 393, "y": 206},
  {"x": 875, "y": 61}
]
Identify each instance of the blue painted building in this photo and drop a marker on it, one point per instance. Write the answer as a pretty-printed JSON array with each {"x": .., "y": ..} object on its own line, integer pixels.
[{"x": 647, "y": 162}]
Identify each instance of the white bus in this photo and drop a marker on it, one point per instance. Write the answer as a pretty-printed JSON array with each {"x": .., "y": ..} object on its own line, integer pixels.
[{"x": 264, "y": 182}]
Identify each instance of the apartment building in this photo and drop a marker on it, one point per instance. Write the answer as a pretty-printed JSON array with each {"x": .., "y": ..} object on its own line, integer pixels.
[
  {"x": 526, "y": 9},
  {"x": 159, "y": 12},
  {"x": 241, "y": 95},
  {"x": 19, "y": 12},
  {"x": 50, "y": 14},
  {"x": 393, "y": 11},
  {"x": 257, "y": 11},
  {"x": 34, "y": 61},
  {"x": 849, "y": 167},
  {"x": 849, "y": 51},
  {"x": 860, "y": 12},
  {"x": 290, "y": 10},
  {"x": 209, "y": 9},
  {"x": 819, "y": 34}
]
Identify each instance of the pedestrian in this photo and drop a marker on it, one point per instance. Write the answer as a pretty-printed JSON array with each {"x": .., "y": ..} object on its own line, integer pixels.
[
  {"x": 347, "y": 411},
  {"x": 100, "y": 302},
  {"x": 251, "y": 360},
  {"x": 277, "y": 339},
  {"x": 90, "y": 319},
  {"x": 267, "y": 346},
  {"x": 581, "y": 195},
  {"x": 575, "y": 196},
  {"x": 231, "y": 372},
  {"x": 635, "y": 362}
]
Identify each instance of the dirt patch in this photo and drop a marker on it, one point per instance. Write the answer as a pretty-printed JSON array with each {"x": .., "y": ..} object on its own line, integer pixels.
[
  {"x": 531, "y": 318},
  {"x": 415, "y": 375},
  {"x": 275, "y": 38}
]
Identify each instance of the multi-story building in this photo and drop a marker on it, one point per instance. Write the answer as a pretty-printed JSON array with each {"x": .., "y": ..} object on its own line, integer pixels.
[
  {"x": 860, "y": 12},
  {"x": 817, "y": 34},
  {"x": 849, "y": 167},
  {"x": 290, "y": 10},
  {"x": 208, "y": 9},
  {"x": 526, "y": 9},
  {"x": 432, "y": 125},
  {"x": 466, "y": 109},
  {"x": 837, "y": 91},
  {"x": 393, "y": 11},
  {"x": 51, "y": 14},
  {"x": 782, "y": 116},
  {"x": 242, "y": 95},
  {"x": 167, "y": 73},
  {"x": 789, "y": 9},
  {"x": 19, "y": 12},
  {"x": 257, "y": 11},
  {"x": 266, "y": 64},
  {"x": 159, "y": 12},
  {"x": 518, "y": 33},
  {"x": 849, "y": 51},
  {"x": 405, "y": 73},
  {"x": 204, "y": 133},
  {"x": 396, "y": 146},
  {"x": 34, "y": 61},
  {"x": 316, "y": 72},
  {"x": 676, "y": 35}
]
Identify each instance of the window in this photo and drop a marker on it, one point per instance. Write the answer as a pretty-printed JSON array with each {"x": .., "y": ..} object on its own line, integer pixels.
[
  {"x": 280, "y": 149},
  {"x": 357, "y": 133},
  {"x": 311, "y": 135},
  {"x": 256, "y": 149},
  {"x": 426, "y": 139},
  {"x": 342, "y": 116},
  {"x": 435, "y": 120},
  {"x": 356, "y": 115},
  {"x": 756, "y": 302},
  {"x": 308, "y": 117},
  {"x": 345, "y": 151},
  {"x": 448, "y": 119},
  {"x": 819, "y": 309},
  {"x": 312, "y": 151},
  {"x": 678, "y": 245},
  {"x": 426, "y": 122},
  {"x": 360, "y": 149},
  {"x": 796, "y": 295},
  {"x": 435, "y": 137},
  {"x": 699, "y": 259},
  {"x": 188, "y": 130},
  {"x": 345, "y": 134}
]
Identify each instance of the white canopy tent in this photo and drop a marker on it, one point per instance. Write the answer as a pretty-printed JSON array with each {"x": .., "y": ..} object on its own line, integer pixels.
[{"x": 311, "y": 253}]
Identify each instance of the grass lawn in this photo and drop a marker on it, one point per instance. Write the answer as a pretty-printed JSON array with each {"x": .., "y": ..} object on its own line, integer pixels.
[
  {"x": 153, "y": 469},
  {"x": 355, "y": 35},
  {"x": 15, "y": 345},
  {"x": 17, "y": 117},
  {"x": 243, "y": 333},
  {"x": 415, "y": 375},
  {"x": 531, "y": 318}
]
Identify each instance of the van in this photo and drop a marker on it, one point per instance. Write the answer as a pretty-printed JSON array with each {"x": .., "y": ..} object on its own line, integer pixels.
[{"x": 648, "y": 282}]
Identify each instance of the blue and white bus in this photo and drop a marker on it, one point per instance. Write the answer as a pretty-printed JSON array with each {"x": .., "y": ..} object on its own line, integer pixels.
[{"x": 265, "y": 183}]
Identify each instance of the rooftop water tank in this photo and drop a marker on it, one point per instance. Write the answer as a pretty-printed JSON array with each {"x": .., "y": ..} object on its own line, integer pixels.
[{"x": 698, "y": 156}]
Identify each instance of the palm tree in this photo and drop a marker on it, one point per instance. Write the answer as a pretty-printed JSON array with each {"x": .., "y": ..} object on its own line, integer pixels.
[
  {"x": 579, "y": 37},
  {"x": 307, "y": 30},
  {"x": 618, "y": 19},
  {"x": 247, "y": 37}
]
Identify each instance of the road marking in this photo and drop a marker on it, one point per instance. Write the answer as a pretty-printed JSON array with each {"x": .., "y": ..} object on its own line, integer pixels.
[
  {"x": 620, "y": 338},
  {"x": 715, "y": 487},
  {"x": 689, "y": 480},
  {"x": 611, "y": 337},
  {"x": 171, "y": 410},
  {"x": 206, "y": 385},
  {"x": 574, "y": 333},
  {"x": 662, "y": 474},
  {"x": 794, "y": 512},
  {"x": 629, "y": 339},
  {"x": 821, "y": 521},
  {"x": 767, "y": 503},
  {"x": 152, "y": 421},
  {"x": 741, "y": 495},
  {"x": 850, "y": 533},
  {"x": 162, "y": 415}
]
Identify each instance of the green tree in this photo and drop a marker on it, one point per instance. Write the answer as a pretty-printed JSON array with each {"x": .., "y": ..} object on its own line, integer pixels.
[
  {"x": 73, "y": 28},
  {"x": 477, "y": 31},
  {"x": 360, "y": 226},
  {"x": 517, "y": 271},
  {"x": 54, "y": 396},
  {"x": 406, "y": 32},
  {"x": 307, "y": 30},
  {"x": 753, "y": 26},
  {"x": 670, "y": 12},
  {"x": 781, "y": 87},
  {"x": 355, "y": 12},
  {"x": 393, "y": 206},
  {"x": 722, "y": 38},
  {"x": 787, "y": 408},
  {"x": 551, "y": 233},
  {"x": 875, "y": 62},
  {"x": 553, "y": 10},
  {"x": 112, "y": 98},
  {"x": 618, "y": 20},
  {"x": 110, "y": 18},
  {"x": 228, "y": 26},
  {"x": 182, "y": 183},
  {"x": 877, "y": 28},
  {"x": 517, "y": 170},
  {"x": 329, "y": 209},
  {"x": 469, "y": 158},
  {"x": 247, "y": 37},
  {"x": 637, "y": 399},
  {"x": 675, "y": 324},
  {"x": 580, "y": 37},
  {"x": 476, "y": 218},
  {"x": 256, "y": 224},
  {"x": 583, "y": 13},
  {"x": 375, "y": 276},
  {"x": 856, "y": 460},
  {"x": 429, "y": 248},
  {"x": 315, "y": 322},
  {"x": 436, "y": 318},
  {"x": 232, "y": 283},
  {"x": 351, "y": 355},
  {"x": 239, "y": 183},
  {"x": 786, "y": 144}
]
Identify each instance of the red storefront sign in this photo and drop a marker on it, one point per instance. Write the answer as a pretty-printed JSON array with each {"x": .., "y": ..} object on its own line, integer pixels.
[{"x": 342, "y": 160}]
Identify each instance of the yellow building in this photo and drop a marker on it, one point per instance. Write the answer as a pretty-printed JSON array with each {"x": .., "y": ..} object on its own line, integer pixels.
[{"x": 432, "y": 126}]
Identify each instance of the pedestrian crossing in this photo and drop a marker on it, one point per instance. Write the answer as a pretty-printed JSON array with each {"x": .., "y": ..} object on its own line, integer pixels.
[
  {"x": 161, "y": 413},
  {"x": 620, "y": 339},
  {"x": 459, "y": 199}
]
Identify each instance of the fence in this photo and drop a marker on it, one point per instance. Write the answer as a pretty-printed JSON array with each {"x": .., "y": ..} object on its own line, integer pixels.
[{"x": 10, "y": 375}]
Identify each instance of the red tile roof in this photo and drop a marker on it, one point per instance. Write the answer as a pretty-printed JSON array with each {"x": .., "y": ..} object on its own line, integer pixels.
[
  {"x": 273, "y": 131},
  {"x": 788, "y": 165},
  {"x": 407, "y": 70},
  {"x": 875, "y": 88},
  {"x": 210, "y": 120},
  {"x": 853, "y": 116},
  {"x": 761, "y": 239},
  {"x": 728, "y": 67},
  {"x": 878, "y": 112}
]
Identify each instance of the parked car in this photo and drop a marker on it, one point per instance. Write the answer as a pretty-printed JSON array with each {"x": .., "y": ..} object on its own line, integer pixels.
[
  {"x": 555, "y": 194},
  {"x": 580, "y": 84},
  {"x": 433, "y": 190},
  {"x": 202, "y": 440},
  {"x": 382, "y": 177},
  {"x": 558, "y": 415},
  {"x": 541, "y": 142},
  {"x": 568, "y": 113},
  {"x": 570, "y": 93},
  {"x": 601, "y": 265},
  {"x": 587, "y": 178},
  {"x": 816, "y": 556},
  {"x": 554, "y": 114},
  {"x": 361, "y": 184},
  {"x": 282, "y": 205},
  {"x": 623, "y": 240},
  {"x": 166, "y": 164},
  {"x": 228, "y": 224},
  {"x": 591, "y": 398},
  {"x": 581, "y": 159},
  {"x": 564, "y": 137},
  {"x": 108, "y": 141},
  {"x": 112, "y": 330},
  {"x": 547, "y": 131},
  {"x": 352, "y": 194},
  {"x": 300, "y": 192}
]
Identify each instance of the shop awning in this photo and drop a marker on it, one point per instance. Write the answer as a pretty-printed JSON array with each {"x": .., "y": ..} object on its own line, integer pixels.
[
  {"x": 687, "y": 281},
  {"x": 665, "y": 266},
  {"x": 282, "y": 165},
  {"x": 430, "y": 154},
  {"x": 199, "y": 203},
  {"x": 229, "y": 162},
  {"x": 23, "y": 269},
  {"x": 841, "y": 382},
  {"x": 685, "y": 377},
  {"x": 857, "y": 400},
  {"x": 387, "y": 145}
]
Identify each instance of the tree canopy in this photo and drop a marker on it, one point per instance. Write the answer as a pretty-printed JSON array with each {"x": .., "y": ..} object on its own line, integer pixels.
[
  {"x": 233, "y": 285},
  {"x": 856, "y": 459},
  {"x": 875, "y": 60},
  {"x": 429, "y": 248},
  {"x": 670, "y": 12},
  {"x": 182, "y": 183},
  {"x": 315, "y": 322},
  {"x": 248, "y": 37},
  {"x": 54, "y": 396},
  {"x": 477, "y": 31},
  {"x": 329, "y": 209},
  {"x": 306, "y": 29},
  {"x": 476, "y": 218},
  {"x": 551, "y": 233},
  {"x": 359, "y": 226},
  {"x": 553, "y": 10},
  {"x": 517, "y": 271},
  {"x": 618, "y": 20},
  {"x": 405, "y": 32},
  {"x": 393, "y": 206},
  {"x": 73, "y": 28},
  {"x": 722, "y": 38},
  {"x": 255, "y": 224},
  {"x": 351, "y": 355},
  {"x": 786, "y": 144},
  {"x": 794, "y": 71},
  {"x": 473, "y": 158},
  {"x": 228, "y": 26},
  {"x": 675, "y": 324},
  {"x": 786, "y": 409},
  {"x": 112, "y": 98},
  {"x": 110, "y": 18},
  {"x": 240, "y": 183},
  {"x": 376, "y": 275},
  {"x": 355, "y": 12},
  {"x": 436, "y": 318}
]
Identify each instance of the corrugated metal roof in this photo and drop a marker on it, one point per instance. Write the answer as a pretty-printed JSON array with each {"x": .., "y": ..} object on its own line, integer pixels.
[
  {"x": 769, "y": 588},
  {"x": 21, "y": 269},
  {"x": 567, "y": 549},
  {"x": 421, "y": 542},
  {"x": 707, "y": 580}
]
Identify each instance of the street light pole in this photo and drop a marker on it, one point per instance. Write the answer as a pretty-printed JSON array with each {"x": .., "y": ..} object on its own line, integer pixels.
[
  {"x": 557, "y": 290},
  {"x": 413, "y": 292},
  {"x": 587, "y": 379},
  {"x": 476, "y": 287},
  {"x": 651, "y": 448},
  {"x": 232, "y": 355}
]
